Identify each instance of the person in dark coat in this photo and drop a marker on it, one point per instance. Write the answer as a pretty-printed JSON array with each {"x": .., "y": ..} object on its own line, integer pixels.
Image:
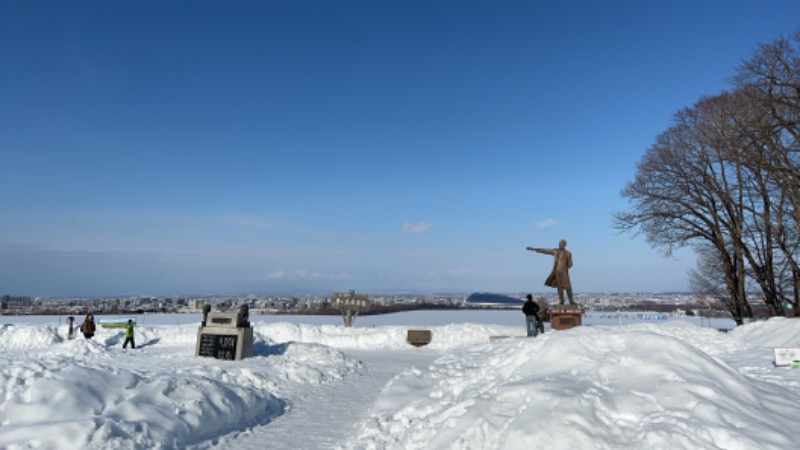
[
  {"x": 88, "y": 327},
  {"x": 531, "y": 311}
]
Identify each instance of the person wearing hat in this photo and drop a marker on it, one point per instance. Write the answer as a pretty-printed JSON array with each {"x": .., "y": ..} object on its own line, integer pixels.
[
  {"x": 129, "y": 335},
  {"x": 531, "y": 311}
]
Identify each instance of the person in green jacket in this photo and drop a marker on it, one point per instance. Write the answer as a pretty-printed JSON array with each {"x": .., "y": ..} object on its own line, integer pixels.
[{"x": 129, "y": 335}]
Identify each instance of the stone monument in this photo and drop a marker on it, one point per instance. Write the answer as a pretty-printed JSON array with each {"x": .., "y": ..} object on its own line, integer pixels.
[{"x": 225, "y": 335}]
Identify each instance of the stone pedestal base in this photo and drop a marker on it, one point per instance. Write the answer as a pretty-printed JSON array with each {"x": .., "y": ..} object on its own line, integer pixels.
[{"x": 563, "y": 317}]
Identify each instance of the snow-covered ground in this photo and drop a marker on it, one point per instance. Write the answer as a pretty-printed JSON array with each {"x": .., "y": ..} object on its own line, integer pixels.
[{"x": 479, "y": 385}]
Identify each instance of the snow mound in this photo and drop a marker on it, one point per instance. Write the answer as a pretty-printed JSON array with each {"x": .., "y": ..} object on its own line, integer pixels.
[
  {"x": 589, "y": 387},
  {"x": 92, "y": 394},
  {"x": 26, "y": 336},
  {"x": 775, "y": 332}
]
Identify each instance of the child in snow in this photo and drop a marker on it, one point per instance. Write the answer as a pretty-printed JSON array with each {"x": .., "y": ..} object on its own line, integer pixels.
[{"x": 129, "y": 335}]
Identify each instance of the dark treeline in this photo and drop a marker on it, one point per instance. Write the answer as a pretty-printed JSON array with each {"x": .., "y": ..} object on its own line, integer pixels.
[{"x": 376, "y": 309}]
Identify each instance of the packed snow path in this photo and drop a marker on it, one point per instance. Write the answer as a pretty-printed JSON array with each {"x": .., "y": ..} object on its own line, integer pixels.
[{"x": 325, "y": 416}]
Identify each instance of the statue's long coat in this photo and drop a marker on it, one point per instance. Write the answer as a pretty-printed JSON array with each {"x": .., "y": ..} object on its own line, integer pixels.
[{"x": 562, "y": 262}]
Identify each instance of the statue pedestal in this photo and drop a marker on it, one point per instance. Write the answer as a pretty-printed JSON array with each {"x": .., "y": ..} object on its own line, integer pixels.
[{"x": 564, "y": 317}]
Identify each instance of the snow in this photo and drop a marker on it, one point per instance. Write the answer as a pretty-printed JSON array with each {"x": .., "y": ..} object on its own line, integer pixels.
[{"x": 478, "y": 385}]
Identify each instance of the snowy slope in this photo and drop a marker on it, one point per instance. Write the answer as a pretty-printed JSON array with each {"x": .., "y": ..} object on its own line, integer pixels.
[{"x": 669, "y": 385}]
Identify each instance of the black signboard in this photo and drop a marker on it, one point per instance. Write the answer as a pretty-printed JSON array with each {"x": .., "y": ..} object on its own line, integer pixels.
[{"x": 219, "y": 346}]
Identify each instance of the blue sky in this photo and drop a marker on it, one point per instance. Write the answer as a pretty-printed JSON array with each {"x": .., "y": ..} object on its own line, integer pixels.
[{"x": 165, "y": 148}]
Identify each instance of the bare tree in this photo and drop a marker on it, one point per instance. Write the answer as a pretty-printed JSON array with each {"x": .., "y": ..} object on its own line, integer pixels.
[
  {"x": 774, "y": 72},
  {"x": 742, "y": 132},
  {"x": 725, "y": 179},
  {"x": 686, "y": 192},
  {"x": 771, "y": 79}
]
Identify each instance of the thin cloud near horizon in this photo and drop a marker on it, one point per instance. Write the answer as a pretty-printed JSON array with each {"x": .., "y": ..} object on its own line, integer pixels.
[
  {"x": 305, "y": 274},
  {"x": 544, "y": 224},
  {"x": 416, "y": 228}
]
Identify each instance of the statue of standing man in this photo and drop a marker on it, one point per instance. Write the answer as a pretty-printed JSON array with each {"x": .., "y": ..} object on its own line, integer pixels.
[{"x": 559, "y": 276}]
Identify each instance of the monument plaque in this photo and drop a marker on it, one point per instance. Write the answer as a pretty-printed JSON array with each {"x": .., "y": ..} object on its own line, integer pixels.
[{"x": 219, "y": 346}]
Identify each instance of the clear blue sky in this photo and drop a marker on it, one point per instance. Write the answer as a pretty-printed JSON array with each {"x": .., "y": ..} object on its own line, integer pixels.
[{"x": 210, "y": 147}]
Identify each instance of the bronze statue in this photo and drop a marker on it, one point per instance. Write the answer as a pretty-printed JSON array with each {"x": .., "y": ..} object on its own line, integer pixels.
[{"x": 559, "y": 276}]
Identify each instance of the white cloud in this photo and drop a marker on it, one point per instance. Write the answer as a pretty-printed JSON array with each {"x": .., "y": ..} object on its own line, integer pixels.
[
  {"x": 276, "y": 275},
  {"x": 547, "y": 223},
  {"x": 416, "y": 228},
  {"x": 305, "y": 274}
]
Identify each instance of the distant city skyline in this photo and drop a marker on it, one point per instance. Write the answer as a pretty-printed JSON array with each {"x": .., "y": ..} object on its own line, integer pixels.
[
  {"x": 551, "y": 295},
  {"x": 190, "y": 148}
]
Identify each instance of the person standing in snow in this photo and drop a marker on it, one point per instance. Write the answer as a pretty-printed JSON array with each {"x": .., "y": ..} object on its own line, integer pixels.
[
  {"x": 531, "y": 311},
  {"x": 87, "y": 327},
  {"x": 129, "y": 335}
]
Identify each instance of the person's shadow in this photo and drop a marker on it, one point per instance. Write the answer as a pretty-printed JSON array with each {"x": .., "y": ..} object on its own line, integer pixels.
[
  {"x": 153, "y": 341},
  {"x": 115, "y": 340},
  {"x": 119, "y": 338}
]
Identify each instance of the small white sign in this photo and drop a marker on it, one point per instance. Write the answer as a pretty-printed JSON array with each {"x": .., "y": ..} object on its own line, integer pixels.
[{"x": 785, "y": 356}]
